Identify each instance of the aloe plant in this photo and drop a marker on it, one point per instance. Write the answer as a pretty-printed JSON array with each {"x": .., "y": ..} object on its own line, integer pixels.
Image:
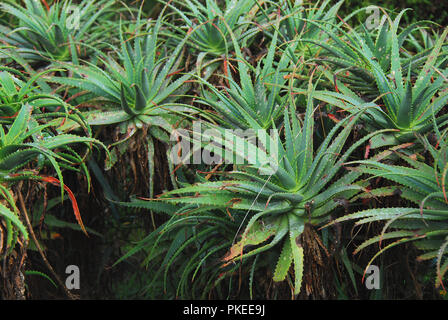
[
  {"x": 411, "y": 103},
  {"x": 53, "y": 32},
  {"x": 137, "y": 91},
  {"x": 210, "y": 27},
  {"x": 211, "y": 24},
  {"x": 254, "y": 102},
  {"x": 426, "y": 224},
  {"x": 356, "y": 50},
  {"x": 137, "y": 85}
]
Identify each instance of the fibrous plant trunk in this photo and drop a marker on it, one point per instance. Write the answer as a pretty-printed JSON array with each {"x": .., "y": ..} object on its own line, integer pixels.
[
  {"x": 317, "y": 275},
  {"x": 12, "y": 278}
]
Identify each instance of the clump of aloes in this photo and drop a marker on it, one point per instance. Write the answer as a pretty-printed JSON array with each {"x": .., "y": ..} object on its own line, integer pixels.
[{"x": 282, "y": 186}]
